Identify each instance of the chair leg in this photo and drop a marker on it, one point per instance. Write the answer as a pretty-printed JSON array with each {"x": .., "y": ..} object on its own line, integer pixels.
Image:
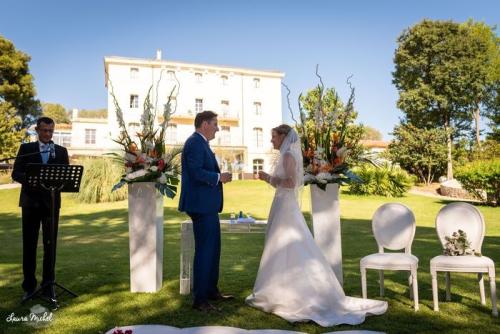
[
  {"x": 493, "y": 288},
  {"x": 435, "y": 290},
  {"x": 415, "y": 288},
  {"x": 363, "y": 282},
  {"x": 381, "y": 282},
  {"x": 448, "y": 283},
  {"x": 480, "y": 279},
  {"x": 410, "y": 284}
]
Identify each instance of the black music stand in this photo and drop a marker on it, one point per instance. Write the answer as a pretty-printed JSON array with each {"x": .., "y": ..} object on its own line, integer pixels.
[{"x": 53, "y": 178}]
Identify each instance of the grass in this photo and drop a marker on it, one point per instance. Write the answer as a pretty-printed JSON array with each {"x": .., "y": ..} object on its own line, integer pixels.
[{"x": 92, "y": 260}]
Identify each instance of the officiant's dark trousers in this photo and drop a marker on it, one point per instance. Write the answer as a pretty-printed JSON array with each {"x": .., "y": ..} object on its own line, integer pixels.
[
  {"x": 206, "y": 230},
  {"x": 32, "y": 218}
]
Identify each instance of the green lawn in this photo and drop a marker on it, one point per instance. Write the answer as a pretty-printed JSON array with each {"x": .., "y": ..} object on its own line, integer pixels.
[{"x": 93, "y": 261}]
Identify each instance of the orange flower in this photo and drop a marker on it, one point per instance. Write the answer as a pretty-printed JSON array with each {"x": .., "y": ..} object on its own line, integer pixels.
[
  {"x": 325, "y": 168},
  {"x": 153, "y": 153},
  {"x": 337, "y": 161},
  {"x": 132, "y": 147}
]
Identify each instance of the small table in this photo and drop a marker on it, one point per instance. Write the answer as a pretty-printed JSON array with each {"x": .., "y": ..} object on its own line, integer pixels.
[{"x": 187, "y": 246}]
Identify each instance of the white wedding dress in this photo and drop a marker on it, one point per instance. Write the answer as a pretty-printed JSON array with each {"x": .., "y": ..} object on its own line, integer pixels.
[{"x": 294, "y": 280}]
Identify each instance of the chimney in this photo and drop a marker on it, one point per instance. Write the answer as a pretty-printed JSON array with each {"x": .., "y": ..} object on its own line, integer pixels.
[
  {"x": 74, "y": 114},
  {"x": 158, "y": 54}
]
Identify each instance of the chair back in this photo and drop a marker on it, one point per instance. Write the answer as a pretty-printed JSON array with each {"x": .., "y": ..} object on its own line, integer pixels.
[
  {"x": 393, "y": 226},
  {"x": 461, "y": 216}
]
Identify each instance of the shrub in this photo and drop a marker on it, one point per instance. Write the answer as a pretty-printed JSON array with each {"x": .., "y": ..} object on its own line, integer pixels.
[
  {"x": 387, "y": 180},
  {"x": 481, "y": 178},
  {"x": 99, "y": 176}
]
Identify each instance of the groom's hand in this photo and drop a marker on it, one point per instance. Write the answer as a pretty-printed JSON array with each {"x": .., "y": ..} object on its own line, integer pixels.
[{"x": 226, "y": 177}]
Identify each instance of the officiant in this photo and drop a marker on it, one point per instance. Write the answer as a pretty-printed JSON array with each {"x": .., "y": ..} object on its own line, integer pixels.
[{"x": 35, "y": 207}]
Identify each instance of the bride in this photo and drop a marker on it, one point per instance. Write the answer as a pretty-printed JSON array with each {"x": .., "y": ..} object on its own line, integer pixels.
[{"x": 294, "y": 280}]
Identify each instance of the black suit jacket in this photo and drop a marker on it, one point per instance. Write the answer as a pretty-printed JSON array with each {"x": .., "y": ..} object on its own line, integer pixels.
[{"x": 33, "y": 198}]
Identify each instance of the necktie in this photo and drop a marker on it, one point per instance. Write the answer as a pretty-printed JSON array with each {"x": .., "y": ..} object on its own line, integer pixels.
[{"x": 44, "y": 148}]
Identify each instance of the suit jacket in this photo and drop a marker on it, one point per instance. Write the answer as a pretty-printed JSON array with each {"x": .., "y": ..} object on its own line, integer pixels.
[
  {"x": 34, "y": 198},
  {"x": 200, "y": 190}
]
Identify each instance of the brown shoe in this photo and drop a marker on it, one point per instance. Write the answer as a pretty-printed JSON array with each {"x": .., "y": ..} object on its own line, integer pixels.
[
  {"x": 221, "y": 297},
  {"x": 205, "y": 307}
]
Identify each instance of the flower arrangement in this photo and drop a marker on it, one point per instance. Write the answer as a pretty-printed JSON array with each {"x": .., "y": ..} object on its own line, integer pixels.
[
  {"x": 458, "y": 245},
  {"x": 148, "y": 160},
  {"x": 328, "y": 136}
]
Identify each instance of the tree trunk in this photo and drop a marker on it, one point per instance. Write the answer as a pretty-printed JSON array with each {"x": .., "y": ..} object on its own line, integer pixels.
[
  {"x": 476, "y": 121},
  {"x": 449, "y": 173}
]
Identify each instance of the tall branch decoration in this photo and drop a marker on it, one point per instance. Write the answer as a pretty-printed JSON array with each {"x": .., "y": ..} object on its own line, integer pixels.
[
  {"x": 145, "y": 156},
  {"x": 323, "y": 129}
]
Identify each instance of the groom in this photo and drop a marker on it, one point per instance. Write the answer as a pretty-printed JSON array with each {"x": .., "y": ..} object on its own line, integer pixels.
[{"x": 201, "y": 198}]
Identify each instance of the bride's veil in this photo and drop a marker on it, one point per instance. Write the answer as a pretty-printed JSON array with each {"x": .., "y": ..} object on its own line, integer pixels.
[{"x": 291, "y": 145}]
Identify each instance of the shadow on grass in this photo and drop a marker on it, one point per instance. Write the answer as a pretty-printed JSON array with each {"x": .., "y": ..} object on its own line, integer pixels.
[{"x": 93, "y": 261}]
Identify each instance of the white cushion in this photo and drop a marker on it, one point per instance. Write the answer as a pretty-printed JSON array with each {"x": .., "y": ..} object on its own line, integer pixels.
[
  {"x": 388, "y": 260},
  {"x": 461, "y": 263}
]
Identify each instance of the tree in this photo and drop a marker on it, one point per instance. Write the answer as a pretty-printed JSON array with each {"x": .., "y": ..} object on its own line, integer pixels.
[
  {"x": 420, "y": 151},
  {"x": 441, "y": 69},
  {"x": 371, "y": 133},
  {"x": 16, "y": 84},
  {"x": 98, "y": 113},
  {"x": 56, "y": 111},
  {"x": 10, "y": 137},
  {"x": 487, "y": 103}
]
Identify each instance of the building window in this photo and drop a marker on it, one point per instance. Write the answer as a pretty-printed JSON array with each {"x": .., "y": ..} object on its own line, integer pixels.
[
  {"x": 256, "y": 83},
  {"x": 198, "y": 105},
  {"x": 134, "y": 101},
  {"x": 172, "y": 133},
  {"x": 226, "y": 135},
  {"x": 224, "y": 106},
  {"x": 171, "y": 75},
  {"x": 257, "y": 134},
  {"x": 62, "y": 138},
  {"x": 134, "y": 73},
  {"x": 223, "y": 79},
  {"x": 90, "y": 136},
  {"x": 199, "y": 77},
  {"x": 257, "y": 107},
  {"x": 258, "y": 165}
]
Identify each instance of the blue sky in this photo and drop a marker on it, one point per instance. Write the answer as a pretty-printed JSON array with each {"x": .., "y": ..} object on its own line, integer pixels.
[{"x": 67, "y": 41}]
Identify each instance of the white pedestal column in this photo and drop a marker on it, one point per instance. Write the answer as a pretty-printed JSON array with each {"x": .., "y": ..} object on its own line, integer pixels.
[
  {"x": 326, "y": 225},
  {"x": 145, "y": 227}
]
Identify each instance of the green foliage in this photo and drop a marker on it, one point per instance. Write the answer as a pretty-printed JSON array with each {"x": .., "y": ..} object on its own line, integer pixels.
[
  {"x": 99, "y": 176},
  {"x": 56, "y": 111},
  {"x": 370, "y": 133},
  {"x": 442, "y": 75},
  {"x": 420, "y": 151},
  {"x": 98, "y": 113},
  {"x": 5, "y": 177},
  {"x": 10, "y": 137},
  {"x": 16, "y": 83},
  {"x": 482, "y": 178},
  {"x": 389, "y": 181}
]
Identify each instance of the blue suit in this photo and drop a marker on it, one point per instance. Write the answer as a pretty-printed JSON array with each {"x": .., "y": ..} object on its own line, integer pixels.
[{"x": 202, "y": 199}]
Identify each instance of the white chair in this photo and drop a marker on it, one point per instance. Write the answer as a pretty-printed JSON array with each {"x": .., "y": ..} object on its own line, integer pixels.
[
  {"x": 393, "y": 226},
  {"x": 465, "y": 217}
]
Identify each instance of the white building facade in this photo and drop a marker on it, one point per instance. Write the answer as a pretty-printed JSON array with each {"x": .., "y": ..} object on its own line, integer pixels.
[{"x": 247, "y": 101}]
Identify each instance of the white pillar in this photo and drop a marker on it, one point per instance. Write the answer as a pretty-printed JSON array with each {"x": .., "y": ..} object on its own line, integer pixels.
[
  {"x": 326, "y": 225},
  {"x": 145, "y": 226}
]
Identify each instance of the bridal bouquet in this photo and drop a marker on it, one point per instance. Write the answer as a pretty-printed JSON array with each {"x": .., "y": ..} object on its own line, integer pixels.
[
  {"x": 329, "y": 138},
  {"x": 458, "y": 245},
  {"x": 145, "y": 156}
]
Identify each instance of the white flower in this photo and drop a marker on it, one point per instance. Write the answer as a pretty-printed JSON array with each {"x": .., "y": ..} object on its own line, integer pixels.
[
  {"x": 128, "y": 170},
  {"x": 130, "y": 157},
  {"x": 323, "y": 177},
  {"x": 153, "y": 168},
  {"x": 162, "y": 179},
  {"x": 342, "y": 152},
  {"x": 319, "y": 151},
  {"x": 149, "y": 145},
  {"x": 135, "y": 175}
]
